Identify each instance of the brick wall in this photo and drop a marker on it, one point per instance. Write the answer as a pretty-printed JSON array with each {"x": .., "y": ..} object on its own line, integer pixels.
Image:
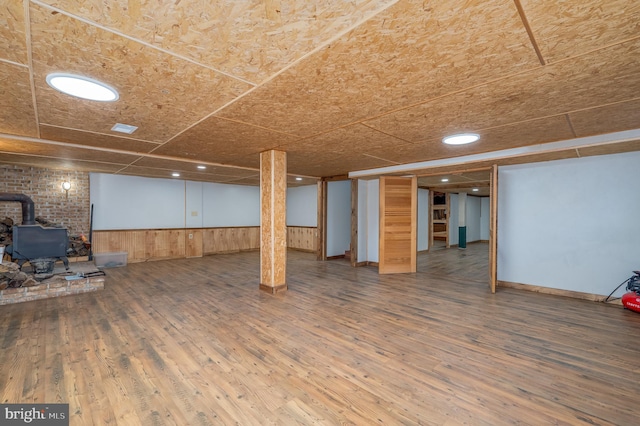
[{"x": 44, "y": 186}]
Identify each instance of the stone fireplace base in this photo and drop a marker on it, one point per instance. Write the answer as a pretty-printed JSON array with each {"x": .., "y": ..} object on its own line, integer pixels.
[{"x": 56, "y": 287}]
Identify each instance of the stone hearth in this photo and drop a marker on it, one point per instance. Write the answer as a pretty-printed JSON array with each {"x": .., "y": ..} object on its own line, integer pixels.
[{"x": 56, "y": 286}]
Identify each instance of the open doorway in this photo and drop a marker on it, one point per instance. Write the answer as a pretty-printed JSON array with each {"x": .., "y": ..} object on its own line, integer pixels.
[{"x": 454, "y": 212}]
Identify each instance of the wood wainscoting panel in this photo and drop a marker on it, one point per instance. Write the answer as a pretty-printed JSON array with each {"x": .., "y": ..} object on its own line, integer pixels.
[
  {"x": 152, "y": 244},
  {"x": 131, "y": 241},
  {"x": 193, "y": 243},
  {"x": 165, "y": 244},
  {"x": 303, "y": 238},
  {"x": 230, "y": 240}
]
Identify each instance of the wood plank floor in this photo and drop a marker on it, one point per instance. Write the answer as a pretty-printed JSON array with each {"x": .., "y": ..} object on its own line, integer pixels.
[{"x": 193, "y": 342}]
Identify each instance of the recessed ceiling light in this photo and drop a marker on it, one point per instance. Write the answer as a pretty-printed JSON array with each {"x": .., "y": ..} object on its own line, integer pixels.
[
  {"x": 444, "y": 180},
  {"x": 461, "y": 139},
  {"x": 174, "y": 174},
  {"x": 298, "y": 178},
  {"x": 202, "y": 167},
  {"x": 82, "y": 87},
  {"x": 475, "y": 190},
  {"x": 124, "y": 128}
]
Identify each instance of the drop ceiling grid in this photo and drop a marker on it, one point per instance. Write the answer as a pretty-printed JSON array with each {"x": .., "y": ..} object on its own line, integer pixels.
[
  {"x": 400, "y": 57},
  {"x": 177, "y": 91}
]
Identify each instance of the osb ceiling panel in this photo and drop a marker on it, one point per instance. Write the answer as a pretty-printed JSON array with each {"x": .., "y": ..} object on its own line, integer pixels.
[
  {"x": 64, "y": 152},
  {"x": 455, "y": 179},
  {"x": 487, "y": 164},
  {"x": 407, "y": 54},
  {"x": 17, "y": 115},
  {"x": 339, "y": 85},
  {"x": 158, "y": 93},
  {"x": 13, "y": 43},
  {"x": 567, "y": 28},
  {"x": 61, "y": 164},
  {"x": 610, "y": 118},
  {"x": 610, "y": 148},
  {"x": 554, "y": 89},
  {"x": 187, "y": 175},
  {"x": 499, "y": 138},
  {"x": 248, "y": 39},
  {"x": 218, "y": 140},
  {"x": 182, "y": 166},
  {"x": 337, "y": 166},
  {"x": 99, "y": 140},
  {"x": 344, "y": 141}
]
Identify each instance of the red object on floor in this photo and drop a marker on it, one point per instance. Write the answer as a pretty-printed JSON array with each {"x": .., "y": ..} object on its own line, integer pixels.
[{"x": 631, "y": 301}]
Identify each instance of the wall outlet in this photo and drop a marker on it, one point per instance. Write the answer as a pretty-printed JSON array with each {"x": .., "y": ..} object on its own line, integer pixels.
[{"x": 191, "y": 236}]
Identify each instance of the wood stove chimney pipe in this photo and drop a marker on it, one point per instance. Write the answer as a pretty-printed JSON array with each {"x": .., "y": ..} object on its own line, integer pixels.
[{"x": 28, "y": 209}]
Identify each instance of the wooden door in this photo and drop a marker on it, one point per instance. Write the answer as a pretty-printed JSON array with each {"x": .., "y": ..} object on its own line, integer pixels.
[
  {"x": 398, "y": 218},
  {"x": 493, "y": 230}
]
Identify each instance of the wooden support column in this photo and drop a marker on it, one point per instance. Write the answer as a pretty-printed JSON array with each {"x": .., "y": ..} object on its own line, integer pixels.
[
  {"x": 462, "y": 220},
  {"x": 273, "y": 223},
  {"x": 354, "y": 223},
  {"x": 321, "y": 253}
]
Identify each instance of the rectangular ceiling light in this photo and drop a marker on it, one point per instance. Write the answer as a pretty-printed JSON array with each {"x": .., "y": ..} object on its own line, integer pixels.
[{"x": 124, "y": 128}]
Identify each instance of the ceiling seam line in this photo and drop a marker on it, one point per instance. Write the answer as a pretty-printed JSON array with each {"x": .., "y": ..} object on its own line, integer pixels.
[
  {"x": 32, "y": 82},
  {"x": 118, "y": 151},
  {"x": 285, "y": 68},
  {"x": 136, "y": 40},
  {"x": 100, "y": 133},
  {"x": 529, "y": 30},
  {"x": 573, "y": 131},
  {"x": 497, "y": 80},
  {"x": 17, "y": 64}
]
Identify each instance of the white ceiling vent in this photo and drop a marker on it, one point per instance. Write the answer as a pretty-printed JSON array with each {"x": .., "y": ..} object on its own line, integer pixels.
[{"x": 124, "y": 128}]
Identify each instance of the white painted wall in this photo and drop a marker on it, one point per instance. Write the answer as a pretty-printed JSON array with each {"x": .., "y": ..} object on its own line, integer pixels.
[
  {"x": 230, "y": 205},
  {"x": 131, "y": 202},
  {"x": 338, "y": 217},
  {"x": 193, "y": 206},
  {"x": 453, "y": 220},
  {"x": 363, "y": 220},
  {"x": 475, "y": 226},
  {"x": 302, "y": 206},
  {"x": 485, "y": 206},
  {"x": 473, "y": 219},
  {"x": 423, "y": 219},
  {"x": 373, "y": 220},
  {"x": 570, "y": 224}
]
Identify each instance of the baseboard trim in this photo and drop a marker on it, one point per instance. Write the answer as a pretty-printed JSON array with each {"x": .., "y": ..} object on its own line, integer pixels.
[
  {"x": 273, "y": 290},
  {"x": 302, "y": 249},
  {"x": 553, "y": 291},
  {"x": 340, "y": 256}
]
